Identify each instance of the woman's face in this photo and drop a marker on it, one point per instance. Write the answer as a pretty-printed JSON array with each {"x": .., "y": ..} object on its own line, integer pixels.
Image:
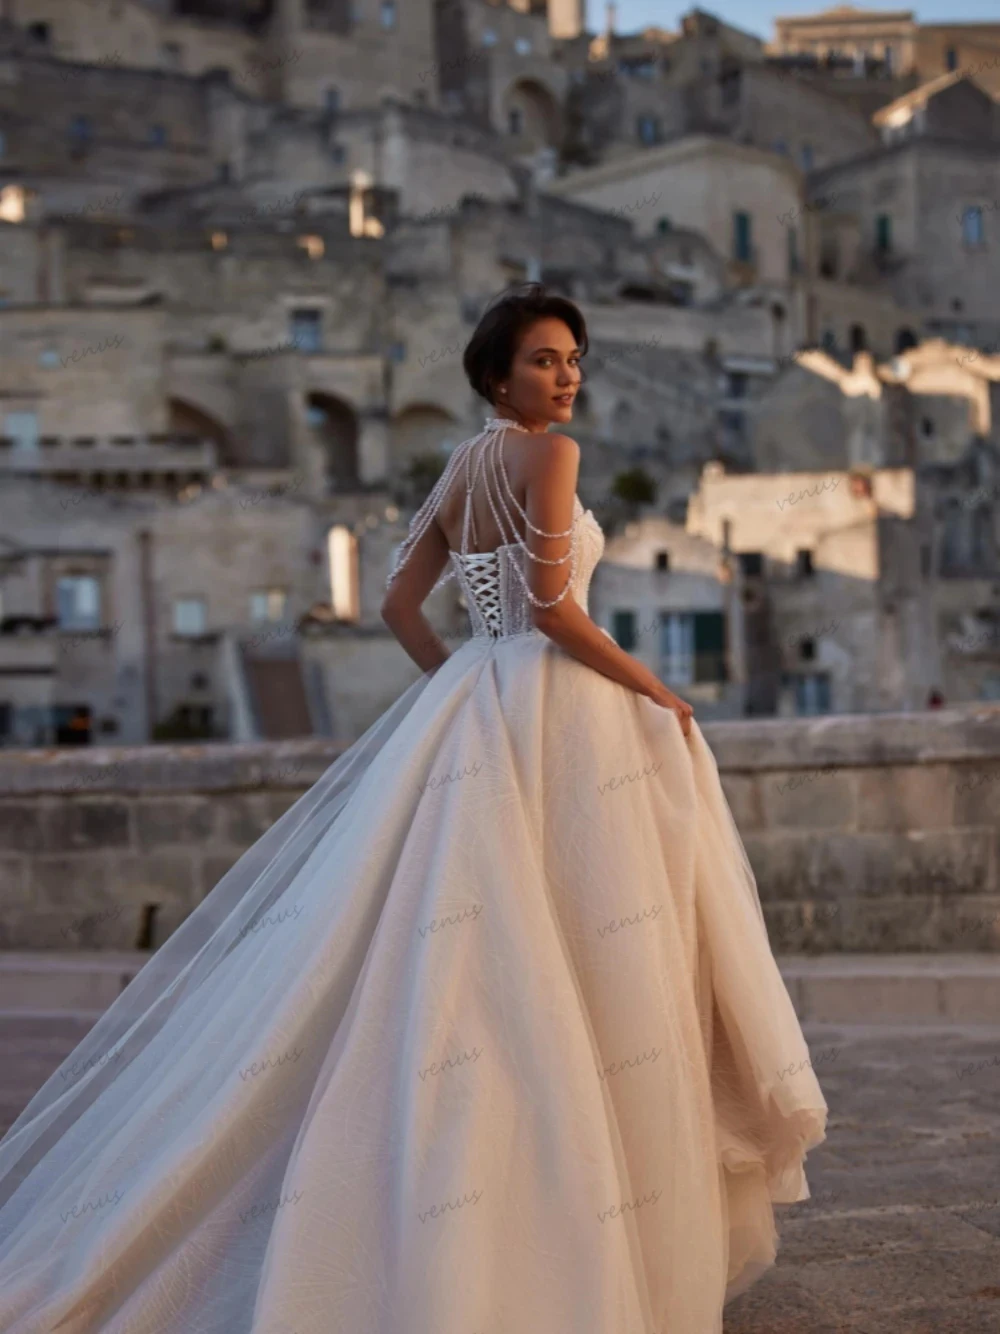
[{"x": 544, "y": 378}]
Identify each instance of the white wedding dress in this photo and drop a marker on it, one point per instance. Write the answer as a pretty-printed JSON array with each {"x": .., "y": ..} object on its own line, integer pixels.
[{"x": 484, "y": 1036}]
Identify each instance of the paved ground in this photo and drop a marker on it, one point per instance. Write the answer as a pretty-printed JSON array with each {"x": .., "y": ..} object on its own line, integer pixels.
[{"x": 902, "y": 1235}]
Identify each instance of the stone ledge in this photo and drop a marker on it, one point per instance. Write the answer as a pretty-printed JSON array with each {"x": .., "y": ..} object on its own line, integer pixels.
[
  {"x": 968, "y": 734},
  {"x": 944, "y": 990}
]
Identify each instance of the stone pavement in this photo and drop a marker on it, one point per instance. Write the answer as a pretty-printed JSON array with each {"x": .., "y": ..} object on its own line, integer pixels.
[{"x": 902, "y": 1235}]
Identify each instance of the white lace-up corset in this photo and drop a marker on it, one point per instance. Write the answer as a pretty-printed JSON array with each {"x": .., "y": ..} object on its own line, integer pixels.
[
  {"x": 497, "y": 601},
  {"x": 495, "y": 583}
]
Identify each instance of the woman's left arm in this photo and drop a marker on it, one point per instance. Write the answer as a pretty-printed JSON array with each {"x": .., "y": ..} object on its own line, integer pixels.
[{"x": 401, "y": 606}]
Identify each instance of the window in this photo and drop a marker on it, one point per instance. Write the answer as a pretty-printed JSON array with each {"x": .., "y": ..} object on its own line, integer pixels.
[
  {"x": 515, "y": 121},
  {"x": 189, "y": 616},
  {"x": 663, "y": 225},
  {"x": 306, "y": 329},
  {"x": 489, "y": 37},
  {"x": 387, "y": 14},
  {"x": 883, "y": 233},
  {"x": 812, "y": 693},
  {"x": 742, "y": 237},
  {"x": 972, "y": 226},
  {"x": 3, "y": 144},
  {"x": 692, "y": 647},
  {"x": 663, "y": 560},
  {"x": 648, "y": 129},
  {"x": 314, "y": 246},
  {"x": 807, "y": 157},
  {"x": 78, "y": 602},
  {"x": 522, "y": 45},
  {"x": 39, "y": 33},
  {"x": 22, "y": 428},
  {"x": 267, "y": 605},
  {"x": 677, "y": 648},
  {"x": 951, "y": 59},
  {"x": 342, "y": 560},
  {"x": 794, "y": 266},
  {"x": 804, "y": 568},
  {"x": 890, "y": 58},
  {"x": 623, "y": 628},
  {"x": 751, "y": 564},
  {"x": 736, "y": 384},
  {"x": 781, "y": 147},
  {"x": 730, "y": 83},
  {"x": 49, "y": 359},
  {"x": 12, "y": 203},
  {"x": 905, "y": 339},
  {"x": 80, "y": 129},
  {"x": 331, "y": 100},
  {"x": 157, "y": 135},
  {"x": 807, "y": 650}
]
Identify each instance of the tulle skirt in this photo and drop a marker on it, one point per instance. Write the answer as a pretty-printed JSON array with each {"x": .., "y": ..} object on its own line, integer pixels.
[{"x": 484, "y": 1035}]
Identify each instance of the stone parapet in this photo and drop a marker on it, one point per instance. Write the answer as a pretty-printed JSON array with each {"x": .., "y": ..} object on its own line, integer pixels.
[{"x": 869, "y": 833}]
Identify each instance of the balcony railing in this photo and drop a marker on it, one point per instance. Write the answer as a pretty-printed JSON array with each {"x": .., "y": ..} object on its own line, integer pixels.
[{"x": 119, "y": 453}]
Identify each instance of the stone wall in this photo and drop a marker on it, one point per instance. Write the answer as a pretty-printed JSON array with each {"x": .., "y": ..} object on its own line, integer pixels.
[{"x": 870, "y": 833}]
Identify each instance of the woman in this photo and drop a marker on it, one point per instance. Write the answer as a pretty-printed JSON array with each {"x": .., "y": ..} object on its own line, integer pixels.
[{"x": 485, "y": 1034}]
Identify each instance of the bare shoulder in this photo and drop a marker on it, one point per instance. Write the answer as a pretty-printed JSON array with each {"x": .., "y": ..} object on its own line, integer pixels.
[{"x": 553, "y": 454}]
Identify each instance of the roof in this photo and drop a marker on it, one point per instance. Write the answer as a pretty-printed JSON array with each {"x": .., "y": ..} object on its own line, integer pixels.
[
  {"x": 848, "y": 12},
  {"x": 920, "y": 96},
  {"x": 644, "y": 160}
]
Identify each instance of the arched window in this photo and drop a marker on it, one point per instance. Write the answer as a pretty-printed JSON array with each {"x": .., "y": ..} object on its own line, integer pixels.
[{"x": 905, "y": 338}]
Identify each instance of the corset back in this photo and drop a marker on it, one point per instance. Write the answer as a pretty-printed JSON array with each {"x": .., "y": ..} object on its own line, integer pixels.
[
  {"x": 496, "y": 583},
  {"x": 497, "y": 603}
]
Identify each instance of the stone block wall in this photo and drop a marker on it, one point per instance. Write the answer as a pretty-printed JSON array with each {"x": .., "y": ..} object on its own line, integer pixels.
[{"x": 866, "y": 833}]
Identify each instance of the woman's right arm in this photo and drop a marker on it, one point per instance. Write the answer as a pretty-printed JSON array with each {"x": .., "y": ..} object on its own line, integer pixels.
[{"x": 549, "y": 504}]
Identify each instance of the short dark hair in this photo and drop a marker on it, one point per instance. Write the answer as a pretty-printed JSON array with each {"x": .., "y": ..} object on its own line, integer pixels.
[{"x": 490, "y": 352}]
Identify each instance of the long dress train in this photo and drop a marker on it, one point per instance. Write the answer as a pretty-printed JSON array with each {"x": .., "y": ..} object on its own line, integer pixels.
[{"x": 485, "y": 1034}]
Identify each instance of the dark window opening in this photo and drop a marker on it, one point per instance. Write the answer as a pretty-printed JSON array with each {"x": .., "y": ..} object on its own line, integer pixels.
[
  {"x": 807, "y": 649},
  {"x": 804, "y": 564},
  {"x": 905, "y": 338},
  {"x": 742, "y": 237},
  {"x": 663, "y": 560},
  {"x": 751, "y": 563},
  {"x": 623, "y": 629},
  {"x": 72, "y": 725}
]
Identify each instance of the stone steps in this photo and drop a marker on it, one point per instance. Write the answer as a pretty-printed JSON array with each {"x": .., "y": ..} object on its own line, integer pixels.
[{"x": 945, "y": 989}]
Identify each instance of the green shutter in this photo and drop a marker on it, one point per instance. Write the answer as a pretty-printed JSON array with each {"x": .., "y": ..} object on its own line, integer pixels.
[{"x": 709, "y": 646}]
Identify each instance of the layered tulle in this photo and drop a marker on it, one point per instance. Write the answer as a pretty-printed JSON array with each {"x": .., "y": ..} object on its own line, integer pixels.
[{"x": 485, "y": 1034}]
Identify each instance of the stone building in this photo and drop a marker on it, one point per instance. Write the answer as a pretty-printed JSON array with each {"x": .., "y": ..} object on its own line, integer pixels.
[
  {"x": 917, "y": 218},
  {"x": 847, "y": 40},
  {"x": 241, "y": 249}
]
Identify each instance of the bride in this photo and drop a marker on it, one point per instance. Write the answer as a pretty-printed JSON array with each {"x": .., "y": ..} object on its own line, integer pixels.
[{"x": 485, "y": 1034}]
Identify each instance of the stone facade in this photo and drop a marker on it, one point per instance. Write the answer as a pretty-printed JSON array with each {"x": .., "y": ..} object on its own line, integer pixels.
[
  {"x": 242, "y": 248},
  {"x": 874, "y": 834}
]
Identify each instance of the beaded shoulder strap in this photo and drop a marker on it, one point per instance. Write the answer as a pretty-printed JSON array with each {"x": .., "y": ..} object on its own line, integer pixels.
[{"x": 489, "y": 455}]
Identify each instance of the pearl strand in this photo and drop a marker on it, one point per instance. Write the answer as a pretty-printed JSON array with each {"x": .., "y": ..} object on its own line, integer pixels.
[{"x": 541, "y": 560}]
